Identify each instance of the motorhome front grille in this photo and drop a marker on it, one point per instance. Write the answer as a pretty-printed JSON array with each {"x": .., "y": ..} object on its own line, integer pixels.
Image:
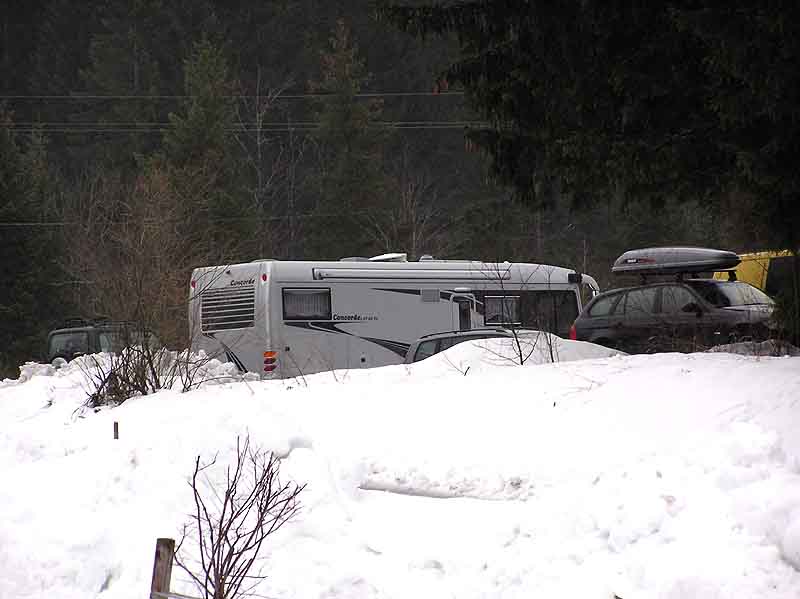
[{"x": 228, "y": 308}]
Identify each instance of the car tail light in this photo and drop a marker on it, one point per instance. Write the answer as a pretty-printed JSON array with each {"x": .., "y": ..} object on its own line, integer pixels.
[
  {"x": 573, "y": 334},
  {"x": 270, "y": 361}
]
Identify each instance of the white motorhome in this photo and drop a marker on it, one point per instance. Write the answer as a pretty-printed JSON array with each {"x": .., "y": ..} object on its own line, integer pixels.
[{"x": 288, "y": 318}]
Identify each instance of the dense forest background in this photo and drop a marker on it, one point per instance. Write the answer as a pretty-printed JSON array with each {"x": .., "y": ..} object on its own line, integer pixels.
[{"x": 142, "y": 138}]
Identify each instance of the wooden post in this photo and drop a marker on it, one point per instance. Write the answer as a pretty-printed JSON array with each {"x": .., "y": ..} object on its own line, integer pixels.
[
  {"x": 162, "y": 566},
  {"x": 116, "y": 429}
]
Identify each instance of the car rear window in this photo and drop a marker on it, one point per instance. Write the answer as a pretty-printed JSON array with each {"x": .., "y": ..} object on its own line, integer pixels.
[
  {"x": 724, "y": 294},
  {"x": 69, "y": 343},
  {"x": 425, "y": 350}
]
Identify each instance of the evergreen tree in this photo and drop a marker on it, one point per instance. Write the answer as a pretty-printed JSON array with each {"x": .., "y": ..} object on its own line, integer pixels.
[
  {"x": 200, "y": 132},
  {"x": 29, "y": 296},
  {"x": 350, "y": 140},
  {"x": 200, "y": 153},
  {"x": 135, "y": 58},
  {"x": 17, "y": 44},
  {"x": 676, "y": 100},
  {"x": 679, "y": 100},
  {"x": 750, "y": 59}
]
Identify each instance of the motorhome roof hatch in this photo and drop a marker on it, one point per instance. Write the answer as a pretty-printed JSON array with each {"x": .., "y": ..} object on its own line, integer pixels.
[{"x": 393, "y": 257}]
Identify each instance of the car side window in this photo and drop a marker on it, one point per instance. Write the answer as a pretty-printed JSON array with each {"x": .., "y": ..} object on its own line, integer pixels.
[
  {"x": 106, "y": 344},
  {"x": 604, "y": 306},
  {"x": 425, "y": 350},
  {"x": 677, "y": 300},
  {"x": 448, "y": 342},
  {"x": 640, "y": 302}
]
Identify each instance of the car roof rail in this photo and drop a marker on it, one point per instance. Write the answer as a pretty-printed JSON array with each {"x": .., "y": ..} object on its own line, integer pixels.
[
  {"x": 76, "y": 321},
  {"x": 477, "y": 331}
]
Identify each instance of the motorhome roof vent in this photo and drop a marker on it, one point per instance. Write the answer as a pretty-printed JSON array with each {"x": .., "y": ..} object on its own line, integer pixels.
[
  {"x": 394, "y": 257},
  {"x": 425, "y": 257}
]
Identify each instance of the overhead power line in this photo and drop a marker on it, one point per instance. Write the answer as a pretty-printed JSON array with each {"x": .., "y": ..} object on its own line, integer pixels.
[
  {"x": 240, "y": 125},
  {"x": 153, "y": 222},
  {"x": 303, "y": 96},
  {"x": 163, "y": 127}
]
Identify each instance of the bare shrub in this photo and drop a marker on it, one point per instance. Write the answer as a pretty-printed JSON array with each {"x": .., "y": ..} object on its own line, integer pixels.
[
  {"x": 140, "y": 366},
  {"x": 132, "y": 246},
  {"x": 130, "y": 251},
  {"x": 230, "y": 528}
]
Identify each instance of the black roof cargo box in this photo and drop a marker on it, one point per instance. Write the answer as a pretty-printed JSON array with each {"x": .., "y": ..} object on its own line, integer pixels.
[{"x": 674, "y": 260}]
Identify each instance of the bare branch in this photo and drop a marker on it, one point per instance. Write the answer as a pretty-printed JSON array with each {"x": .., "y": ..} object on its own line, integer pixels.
[{"x": 253, "y": 505}]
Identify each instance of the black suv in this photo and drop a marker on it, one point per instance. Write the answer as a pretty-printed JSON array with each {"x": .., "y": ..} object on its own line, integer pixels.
[
  {"x": 81, "y": 336},
  {"x": 682, "y": 315}
]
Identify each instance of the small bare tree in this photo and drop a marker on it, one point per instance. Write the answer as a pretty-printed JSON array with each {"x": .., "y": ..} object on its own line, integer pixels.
[
  {"x": 510, "y": 317},
  {"x": 271, "y": 157},
  {"x": 230, "y": 529},
  {"x": 412, "y": 221}
]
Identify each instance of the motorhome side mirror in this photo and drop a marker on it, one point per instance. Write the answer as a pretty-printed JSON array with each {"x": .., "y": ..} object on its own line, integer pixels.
[{"x": 575, "y": 277}]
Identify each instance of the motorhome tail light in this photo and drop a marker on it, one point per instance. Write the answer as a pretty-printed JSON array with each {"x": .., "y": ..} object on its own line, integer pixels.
[
  {"x": 573, "y": 334},
  {"x": 264, "y": 278},
  {"x": 194, "y": 284},
  {"x": 270, "y": 361}
]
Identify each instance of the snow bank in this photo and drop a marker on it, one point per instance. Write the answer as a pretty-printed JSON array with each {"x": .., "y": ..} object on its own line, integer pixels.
[
  {"x": 528, "y": 349},
  {"x": 665, "y": 476}
]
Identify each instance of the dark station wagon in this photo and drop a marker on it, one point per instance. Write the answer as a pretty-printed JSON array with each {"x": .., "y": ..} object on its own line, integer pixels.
[
  {"x": 81, "y": 336},
  {"x": 678, "y": 315}
]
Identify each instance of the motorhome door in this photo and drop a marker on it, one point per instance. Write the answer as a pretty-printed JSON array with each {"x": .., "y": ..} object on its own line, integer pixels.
[{"x": 463, "y": 306}]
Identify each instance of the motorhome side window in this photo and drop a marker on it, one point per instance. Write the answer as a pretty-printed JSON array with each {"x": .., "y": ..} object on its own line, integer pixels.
[
  {"x": 502, "y": 309},
  {"x": 307, "y": 304}
]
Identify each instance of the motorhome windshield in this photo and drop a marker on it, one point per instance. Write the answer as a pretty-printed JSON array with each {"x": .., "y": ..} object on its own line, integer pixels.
[{"x": 725, "y": 294}]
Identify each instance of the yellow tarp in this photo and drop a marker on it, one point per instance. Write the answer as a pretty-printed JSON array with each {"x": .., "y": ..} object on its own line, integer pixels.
[{"x": 753, "y": 267}]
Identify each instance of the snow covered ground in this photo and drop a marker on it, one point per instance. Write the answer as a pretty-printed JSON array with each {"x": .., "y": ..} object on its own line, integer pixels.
[{"x": 663, "y": 476}]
